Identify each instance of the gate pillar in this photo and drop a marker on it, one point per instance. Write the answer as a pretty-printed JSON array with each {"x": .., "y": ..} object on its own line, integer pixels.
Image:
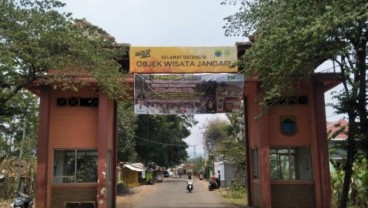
[
  {"x": 76, "y": 154},
  {"x": 287, "y": 146},
  {"x": 106, "y": 153}
]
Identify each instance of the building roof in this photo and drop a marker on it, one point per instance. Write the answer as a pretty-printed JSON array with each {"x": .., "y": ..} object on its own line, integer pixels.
[
  {"x": 135, "y": 167},
  {"x": 336, "y": 126}
]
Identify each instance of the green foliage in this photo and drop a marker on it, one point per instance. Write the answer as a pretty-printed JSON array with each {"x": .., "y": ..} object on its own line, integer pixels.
[
  {"x": 13, "y": 127},
  {"x": 291, "y": 38},
  {"x": 358, "y": 187},
  {"x": 231, "y": 150},
  {"x": 237, "y": 191},
  {"x": 222, "y": 140},
  {"x": 198, "y": 165},
  {"x": 236, "y": 195},
  {"x": 159, "y": 139},
  {"x": 127, "y": 124},
  {"x": 215, "y": 132},
  {"x": 226, "y": 139},
  {"x": 35, "y": 38}
]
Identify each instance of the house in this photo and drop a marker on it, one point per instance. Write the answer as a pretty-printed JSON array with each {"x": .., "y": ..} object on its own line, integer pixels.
[
  {"x": 336, "y": 126},
  {"x": 342, "y": 125},
  {"x": 131, "y": 174},
  {"x": 228, "y": 172}
]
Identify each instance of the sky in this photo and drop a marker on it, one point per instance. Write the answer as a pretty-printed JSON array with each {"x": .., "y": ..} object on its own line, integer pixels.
[
  {"x": 158, "y": 22},
  {"x": 164, "y": 23}
]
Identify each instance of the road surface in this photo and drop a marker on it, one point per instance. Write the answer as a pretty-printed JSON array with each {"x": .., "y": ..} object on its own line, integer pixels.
[{"x": 172, "y": 193}]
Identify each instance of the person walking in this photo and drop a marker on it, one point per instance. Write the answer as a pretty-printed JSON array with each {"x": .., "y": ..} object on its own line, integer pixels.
[{"x": 219, "y": 179}]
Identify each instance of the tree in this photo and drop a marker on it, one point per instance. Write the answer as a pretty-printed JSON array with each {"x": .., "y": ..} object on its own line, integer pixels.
[
  {"x": 35, "y": 38},
  {"x": 291, "y": 38},
  {"x": 127, "y": 125},
  {"x": 224, "y": 140},
  {"x": 199, "y": 164},
  {"x": 159, "y": 138},
  {"x": 359, "y": 178},
  {"x": 18, "y": 142},
  {"x": 40, "y": 44},
  {"x": 233, "y": 148},
  {"x": 216, "y": 131},
  {"x": 13, "y": 128}
]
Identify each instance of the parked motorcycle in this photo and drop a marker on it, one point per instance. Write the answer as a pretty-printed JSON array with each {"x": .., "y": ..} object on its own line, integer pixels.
[
  {"x": 22, "y": 201},
  {"x": 213, "y": 185},
  {"x": 150, "y": 181},
  {"x": 157, "y": 178},
  {"x": 190, "y": 185}
]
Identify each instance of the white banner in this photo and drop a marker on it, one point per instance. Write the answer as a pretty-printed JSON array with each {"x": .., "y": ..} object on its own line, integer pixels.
[{"x": 187, "y": 93}]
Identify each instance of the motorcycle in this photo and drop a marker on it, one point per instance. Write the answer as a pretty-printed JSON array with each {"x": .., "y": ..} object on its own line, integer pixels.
[
  {"x": 150, "y": 181},
  {"x": 200, "y": 176},
  {"x": 22, "y": 201},
  {"x": 213, "y": 185},
  {"x": 190, "y": 185}
]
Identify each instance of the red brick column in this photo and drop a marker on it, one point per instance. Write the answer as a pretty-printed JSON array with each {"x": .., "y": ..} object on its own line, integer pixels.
[
  {"x": 323, "y": 186},
  {"x": 42, "y": 198},
  {"x": 106, "y": 153},
  {"x": 102, "y": 191}
]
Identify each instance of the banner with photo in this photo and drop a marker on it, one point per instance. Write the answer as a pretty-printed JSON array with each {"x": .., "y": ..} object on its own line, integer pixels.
[
  {"x": 221, "y": 59},
  {"x": 187, "y": 93}
]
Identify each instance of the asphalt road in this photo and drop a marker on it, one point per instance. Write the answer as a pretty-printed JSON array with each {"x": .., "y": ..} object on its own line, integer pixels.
[{"x": 172, "y": 193}]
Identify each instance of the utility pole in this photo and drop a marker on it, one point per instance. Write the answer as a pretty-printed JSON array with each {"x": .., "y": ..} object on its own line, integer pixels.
[
  {"x": 204, "y": 145},
  {"x": 195, "y": 155},
  {"x": 205, "y": 154},
  {"x": 195, "y": 158}
]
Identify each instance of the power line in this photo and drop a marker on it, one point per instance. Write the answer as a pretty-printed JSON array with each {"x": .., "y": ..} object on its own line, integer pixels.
[
  {"x": 333, "y": 115},
  {"x": 179, "y": 145}
]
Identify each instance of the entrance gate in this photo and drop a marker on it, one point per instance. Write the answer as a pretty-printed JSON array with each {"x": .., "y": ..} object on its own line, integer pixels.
[{"x": 287, "y": 155}]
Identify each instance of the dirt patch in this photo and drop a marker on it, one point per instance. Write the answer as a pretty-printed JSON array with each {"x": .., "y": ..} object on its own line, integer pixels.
[
  {"x": 5, "y": 204},
  {"x": 131, "y": 195}
]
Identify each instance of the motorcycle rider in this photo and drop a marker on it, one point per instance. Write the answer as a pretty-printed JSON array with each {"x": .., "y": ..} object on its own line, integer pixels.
[
  {"x": 189, "y": 181},
  {"x": 213, "y": 182},
  {"x": 219, "y": 179}
]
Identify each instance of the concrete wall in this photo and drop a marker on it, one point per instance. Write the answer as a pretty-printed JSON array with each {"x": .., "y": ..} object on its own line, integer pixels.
[
  {"x": 264, "y": 133},
  {"x": 61, "y": 195},
  {"x": 76, "y": 127},
  {"x": 72, "y": 127},
  {"x": 293, "y": 195},
  {"x": 230, "y": 175}
]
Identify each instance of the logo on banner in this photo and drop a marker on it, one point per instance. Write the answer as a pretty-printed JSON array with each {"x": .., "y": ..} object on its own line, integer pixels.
[{"x": 144, "y": 53}]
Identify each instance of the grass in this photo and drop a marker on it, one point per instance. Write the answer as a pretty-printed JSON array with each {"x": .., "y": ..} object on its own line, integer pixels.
[{"x": 236, "y": 195}]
